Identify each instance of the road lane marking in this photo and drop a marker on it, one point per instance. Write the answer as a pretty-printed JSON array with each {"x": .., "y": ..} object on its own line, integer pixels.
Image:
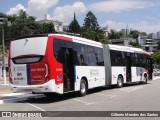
[
  {"x": 110, "y": 96},
  {"x": 36, "y": 107},
  {"x": 49, "y": 114},
  {"x": 134, "y": 89},
  {"x": 86, "y": 103},
  {"x": 130, "y": 88}
]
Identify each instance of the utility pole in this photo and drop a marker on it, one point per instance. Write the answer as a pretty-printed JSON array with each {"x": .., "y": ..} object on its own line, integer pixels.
[
  {"x": 126, "y": 42},
  {"x": 3, "y": 49}
]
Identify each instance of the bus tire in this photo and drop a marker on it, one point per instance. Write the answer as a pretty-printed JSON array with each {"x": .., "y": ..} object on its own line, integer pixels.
[
  {"x": 120, "y": 82},
  {"x": 83, "y": 88},
  {"x": 145, "y": 79}
]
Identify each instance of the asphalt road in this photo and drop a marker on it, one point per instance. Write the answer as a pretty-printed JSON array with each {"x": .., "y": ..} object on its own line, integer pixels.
[{"x": 133, "y": 97}]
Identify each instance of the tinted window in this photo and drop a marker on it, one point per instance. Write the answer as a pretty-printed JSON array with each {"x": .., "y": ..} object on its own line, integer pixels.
[
  {"x": 79, "y": 54},
  {"x": 27, "y": 60},
  {"x": 134, "y": 59},
  {"x": 117, "y": 58},
  {"x": 91, "y": 55},
  {"x": 58, "y": 45},
  {"x": 57, "y": 50},
  {"x": 99, "y": 56},
  {"x": 138, "y": 60},
  {"x": 82, "y": 54},
  {"x": 87, "y": 55}
]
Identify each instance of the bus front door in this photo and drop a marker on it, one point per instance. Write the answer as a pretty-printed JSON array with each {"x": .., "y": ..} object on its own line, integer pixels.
[
  {"x": 128, "y": 69},
  {"x": 68, "y": 69}
]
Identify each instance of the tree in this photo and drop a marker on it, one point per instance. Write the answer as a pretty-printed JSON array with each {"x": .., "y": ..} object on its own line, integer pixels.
[
  {"x": 134, "y": 34},
  {"x": 91, "y": 29},
  {"x": 19, "y": 26},
  {"x": 22, "y": 25},
  {"x": 12, "y": 18},
  {"x": 156, "y": 57},
  {"x": 74, "y": 26},
  {"x": 6, "y": 29},
  {"x": 115, "y": 35},
  {"x": 48, "y": 28},
  {"x": 88, "y": 33},
  {"x": 112, "y": 35},
  {"x": 143, "y": 33},
  {"x": 22, "y": 14},
  {"x": 90, "y": 21}
]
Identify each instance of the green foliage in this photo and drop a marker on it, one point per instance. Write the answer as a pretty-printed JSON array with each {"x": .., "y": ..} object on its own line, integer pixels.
[
  {"x": 115, "y": 35},
  {"x": 48, "y": 28},
  {"x": 134, "y": 34},
  {"x": 91, "y": 29},
  {"x": 135, "y": 45},
  {"x": 74, "y": 26},
  {"x": 23, "y": 25},
  {"x": 90, "y": 21},
  {"x": 156, "y": 56},
  {"x": 143, "y": 33}
]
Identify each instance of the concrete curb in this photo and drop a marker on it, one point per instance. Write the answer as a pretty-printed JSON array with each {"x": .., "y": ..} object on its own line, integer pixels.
[{"x": 156, "y": 78}]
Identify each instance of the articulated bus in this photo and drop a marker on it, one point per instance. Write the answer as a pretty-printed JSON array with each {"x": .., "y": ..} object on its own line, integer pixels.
[{"x": 59, "y": 63}]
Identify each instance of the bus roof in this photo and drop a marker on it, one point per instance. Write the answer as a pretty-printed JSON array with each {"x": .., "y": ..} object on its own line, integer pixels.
[
  {"x": 74, "y": 39},
  {"x": 90, "y": 42},
  {"x": 80, "y": 40},
  {"x": 127, "y": 49}
]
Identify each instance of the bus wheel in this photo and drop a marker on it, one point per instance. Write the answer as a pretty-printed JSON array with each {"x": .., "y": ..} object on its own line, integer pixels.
[
  {"x": 120, "y": 82},
  {"x": 145, "y": 79},
  {"x": 83, "y": 88}
]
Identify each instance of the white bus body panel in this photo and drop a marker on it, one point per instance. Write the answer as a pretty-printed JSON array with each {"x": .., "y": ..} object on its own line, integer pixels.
[
  {"x": 116, "y": 71},
  {"x": 28, "y": 46},
  {"x": 137, "y": 74},
  {"x": 19, "y": 74},
  {"x": 95, "y": 76}
]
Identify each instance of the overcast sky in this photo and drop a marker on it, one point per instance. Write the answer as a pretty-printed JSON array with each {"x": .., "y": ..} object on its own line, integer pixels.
[{"x": 143, "y": 15}]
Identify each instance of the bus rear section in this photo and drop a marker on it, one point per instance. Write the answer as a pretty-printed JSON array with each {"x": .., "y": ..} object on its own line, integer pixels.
[{"x": 29, "y": 66}]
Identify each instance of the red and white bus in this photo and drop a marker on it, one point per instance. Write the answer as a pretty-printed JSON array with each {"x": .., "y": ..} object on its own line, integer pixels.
[{"x": 58, "y": 63}]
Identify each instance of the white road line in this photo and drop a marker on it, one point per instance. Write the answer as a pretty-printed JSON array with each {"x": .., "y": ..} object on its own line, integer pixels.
[
  {"x": 36, "y": 106},
  {"x": 134, "y": 89},
  {"x": 86, "y": 103},
  {"x": 110, "y": 96},
  {"x": 130, "y": 88},
  {"x": 49, "y": 114}
]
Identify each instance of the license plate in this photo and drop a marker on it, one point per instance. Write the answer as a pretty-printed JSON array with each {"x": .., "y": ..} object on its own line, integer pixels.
[{"x": 28, "y": 90}]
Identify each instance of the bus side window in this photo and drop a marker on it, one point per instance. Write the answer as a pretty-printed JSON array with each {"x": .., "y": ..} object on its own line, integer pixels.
[
  {"x": 117, "y": 58},
  {"x": 91, "y": 56},
  {"x": 79, "y": 54},
  {"x": 99, "y": 56},
  {"x": 57, "y": 50}
]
